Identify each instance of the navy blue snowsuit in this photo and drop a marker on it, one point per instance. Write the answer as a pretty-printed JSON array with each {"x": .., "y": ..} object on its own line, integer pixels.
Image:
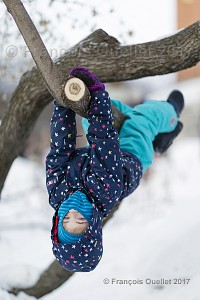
[{"x": 102, "y": 171}]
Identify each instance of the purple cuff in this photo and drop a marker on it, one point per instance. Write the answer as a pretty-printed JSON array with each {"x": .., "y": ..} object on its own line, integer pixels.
[{"x": 96, "y": 86}]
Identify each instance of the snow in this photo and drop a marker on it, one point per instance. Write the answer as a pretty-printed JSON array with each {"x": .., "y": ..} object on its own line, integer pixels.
[
  {"x": 25, "y": 220},
  {"x": 153, "y": 235}
]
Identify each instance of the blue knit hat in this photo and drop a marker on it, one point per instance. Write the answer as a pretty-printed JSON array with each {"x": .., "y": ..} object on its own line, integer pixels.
[{"x": 79, "y": 202}]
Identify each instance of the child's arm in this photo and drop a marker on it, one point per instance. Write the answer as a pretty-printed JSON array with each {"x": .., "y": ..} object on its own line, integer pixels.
[
  {"x": 102, "y": 136},
  {"x": 63, "y": 142},
  {"x": 104, "y": 179},
  {"x": 123, "y": 108}
]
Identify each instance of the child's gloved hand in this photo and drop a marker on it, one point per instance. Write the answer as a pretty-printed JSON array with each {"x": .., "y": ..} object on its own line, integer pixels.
[{"x": 91, "y": 81}]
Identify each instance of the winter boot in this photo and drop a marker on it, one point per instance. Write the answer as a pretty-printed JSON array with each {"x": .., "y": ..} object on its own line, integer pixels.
[
  {"x": 176, "y": 99},
  {"x": 164, "y": 140}
]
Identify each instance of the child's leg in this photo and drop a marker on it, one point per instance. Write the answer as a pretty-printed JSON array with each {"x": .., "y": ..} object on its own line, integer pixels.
[
  {"x": 122, "y": 107},
  {"x": 144, "y": 122}
]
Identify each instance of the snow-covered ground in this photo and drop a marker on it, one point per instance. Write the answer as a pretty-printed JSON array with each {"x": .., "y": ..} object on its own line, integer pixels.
[
  {"x": 25, "y": 220},
  {"x": 154, "y": 235}
]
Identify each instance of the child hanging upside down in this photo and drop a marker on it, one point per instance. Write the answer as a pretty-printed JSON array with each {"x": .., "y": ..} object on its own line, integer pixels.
[{"x": 85, "y": 184}]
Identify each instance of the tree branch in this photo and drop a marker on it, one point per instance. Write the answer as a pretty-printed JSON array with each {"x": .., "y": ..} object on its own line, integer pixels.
[{"x": 43, "y": 61}]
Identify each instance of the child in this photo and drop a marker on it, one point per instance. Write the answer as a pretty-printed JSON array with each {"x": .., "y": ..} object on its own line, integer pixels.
[{"x": 85, "y": 184}]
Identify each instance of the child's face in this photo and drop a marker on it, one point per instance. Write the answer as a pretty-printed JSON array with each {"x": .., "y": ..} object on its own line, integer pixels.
[{"x": 74, "y": 222}]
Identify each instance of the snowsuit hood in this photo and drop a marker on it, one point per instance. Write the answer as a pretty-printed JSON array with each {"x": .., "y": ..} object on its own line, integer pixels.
[{"x": 85, "y": 254}]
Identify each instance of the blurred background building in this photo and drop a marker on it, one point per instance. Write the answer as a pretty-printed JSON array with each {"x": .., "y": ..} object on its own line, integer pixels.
[{"x": 188, "y": 12}]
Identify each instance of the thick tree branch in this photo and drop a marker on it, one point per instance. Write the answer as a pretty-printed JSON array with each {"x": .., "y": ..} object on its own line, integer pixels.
[{"x": 103, "y": 55}]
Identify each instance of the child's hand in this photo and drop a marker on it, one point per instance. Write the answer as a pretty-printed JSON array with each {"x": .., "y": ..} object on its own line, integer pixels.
[{"x": 91, "y": 81}]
